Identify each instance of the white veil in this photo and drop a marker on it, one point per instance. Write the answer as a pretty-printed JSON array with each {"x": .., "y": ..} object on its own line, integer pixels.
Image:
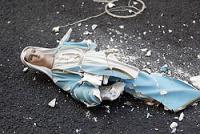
[{"x": 43, "y": 69}]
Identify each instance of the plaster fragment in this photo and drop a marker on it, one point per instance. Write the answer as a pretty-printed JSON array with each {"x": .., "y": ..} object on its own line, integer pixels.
[
  {"x": 52, "y": 103},
  {"x": 25, "y": 69},
  {"x": 56, "y": 29},
  {"x": 94, "y": 26},
  {"x": 148, "y": 54},
  {"x": 181, "y": 116},
  {"x": 121, "y": 26},
  {"x": 170, "y": 31},
  {"x": 173, "y": 126},
  {"x": 110, "y": 4}
]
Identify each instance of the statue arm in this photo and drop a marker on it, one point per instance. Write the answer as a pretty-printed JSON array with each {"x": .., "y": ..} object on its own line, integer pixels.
[
  {"x": 87, "y": 94},
  {"x": 82, "y": 91},
  {"x": 85, "y": 44}
]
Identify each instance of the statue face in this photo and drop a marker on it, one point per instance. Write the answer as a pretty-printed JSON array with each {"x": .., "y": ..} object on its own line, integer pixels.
[{"x": 34, "y": 56}]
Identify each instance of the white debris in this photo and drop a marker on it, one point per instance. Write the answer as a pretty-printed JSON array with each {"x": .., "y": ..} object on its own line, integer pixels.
[
  {"x": 132, "y": 109},
  {"x": 156, "y": 129},
  {"x": 111, "y": 39},
  {"x": 110, "y": 4},
  {"x": 135, "y": 3},
  {"x": 195, "y": 80},
  {"x": 79, "y": 24},
  {"x": 148, "y": 115},
  {"x": 170, "y": 31},
  {"x": 193, "y": 21},
  {"x": 130, "y": 11},
  {"x": 181, "y": 116},
  {"x": 148, "y": 54},
  {"x": 34, "y": 78},
  {"x": 34, "y": 124},
  {"x": 56, "y": 29},
  {"x": 57, "y": 12},
  {"x": 107, "y": 108},
  {"x": 191, "y": 37},
  {"x": 95, "y": 119},
  {"x": 144, "y": 33},
  {"x": 9, "y": 22},
  {"x": 195, "y": 104},
  {"x": 173, "y": 131},
  {"x": 163, "y": 32},
  {"x": 144, "y": 49},
  {"x": 121, "y": 26},
  {"x": 176, "y": 118},
  {"x": 57, "y": 41},
  {"x": 88, "y": 114},
  {"x": 87, "y": 33},
  {"x": 52, "y": 103},
  {"x": 173, "y": 127},
  {"x": 198, "y": 56},
  {"x": 25, "y": 69},
  {"x": 163, "y": 92},
  {"x": 148, "y": 63},
  {"x": 78, "y": 130},
  {"x": 94, "y": 26}
]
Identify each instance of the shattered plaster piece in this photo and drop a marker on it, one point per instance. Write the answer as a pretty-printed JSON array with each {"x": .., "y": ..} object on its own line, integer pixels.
[
  {"x": 121, "y": 26},
  {"x": 25, "y": 69},
  {"x": 79, "y": 24},
  {"x": 94, "y": 26},
  {"x": 156, "y": 129},
  {"x": 78, "y": 130},
  {"x": 198, "y": 56},
  {"x": 95, "y": 119},
  {"x": 144, "y": 49},
  {"x": 111, "y": 39},
  {"x": 87, "y": 33},
  {"x": 148, "y": 115},
  {"x": 170, "y": 31},
  {"x": 181, "y": 116},
  {"x": 148, "y": 54},
  {"x": 173, "y": 126},
  {"x": 110, "y": 4},
  {"x": 195, "y": 80},
  {"x": 52, "y": 103},
  {"x": 56, "y": 29}
]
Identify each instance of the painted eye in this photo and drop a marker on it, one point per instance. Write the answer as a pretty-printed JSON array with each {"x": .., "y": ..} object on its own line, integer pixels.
[
  {"x": 33, "y": 51},
  {"x": 30, "y": 58}
]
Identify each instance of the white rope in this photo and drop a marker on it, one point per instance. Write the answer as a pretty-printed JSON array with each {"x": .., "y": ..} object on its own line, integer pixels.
[{"x": 134, "y": 11}]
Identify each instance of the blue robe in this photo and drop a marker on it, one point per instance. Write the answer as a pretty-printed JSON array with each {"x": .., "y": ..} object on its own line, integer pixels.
[{"x": 172, "y": 93}]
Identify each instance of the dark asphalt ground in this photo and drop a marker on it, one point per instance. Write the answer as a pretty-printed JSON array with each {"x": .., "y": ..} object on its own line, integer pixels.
[{"x": 24, "y": 97}]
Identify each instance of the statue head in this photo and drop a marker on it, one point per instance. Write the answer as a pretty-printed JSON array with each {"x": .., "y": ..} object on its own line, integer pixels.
[
  {"x": 37, "y": 57},
  {"x": 34, "y": 56}
]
